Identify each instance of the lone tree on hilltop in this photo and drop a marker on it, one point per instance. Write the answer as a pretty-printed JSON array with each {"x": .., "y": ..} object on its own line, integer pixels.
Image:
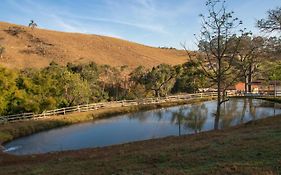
[{"x": 32, "y": 24}]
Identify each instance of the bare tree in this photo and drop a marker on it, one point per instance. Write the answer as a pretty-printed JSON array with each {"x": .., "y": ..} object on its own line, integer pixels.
[
  {"x": 219, "y": 46},
  {"x": 272, "y": 22}
]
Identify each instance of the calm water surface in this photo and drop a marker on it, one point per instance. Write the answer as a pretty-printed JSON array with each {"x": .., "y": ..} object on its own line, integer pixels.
[{"x": 157, "y": 123}]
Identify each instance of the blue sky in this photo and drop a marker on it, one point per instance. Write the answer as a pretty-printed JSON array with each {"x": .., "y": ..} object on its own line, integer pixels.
[{"x": 149, "y": 22}]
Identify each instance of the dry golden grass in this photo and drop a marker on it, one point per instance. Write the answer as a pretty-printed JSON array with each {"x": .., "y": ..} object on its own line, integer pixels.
[{"x": 38, "y": 47}]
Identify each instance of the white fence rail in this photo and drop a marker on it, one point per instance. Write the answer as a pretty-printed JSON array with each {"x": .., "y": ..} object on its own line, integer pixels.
[{"x": 95, "y": 106}]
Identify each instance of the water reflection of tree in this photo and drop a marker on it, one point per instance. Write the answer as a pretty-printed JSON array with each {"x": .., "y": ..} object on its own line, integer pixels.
[
  {"x": 161, "y": 113},
  {"x": 196, "y": 118},
  {"x": 230, "y": 112},
  {"x": 232, "y": 115},
  {"x": 178, "y": 118},
  {"x": 252, "y": 109},
  {"x": 144, "y": 116},
  {"x": 193, "y": 120}
]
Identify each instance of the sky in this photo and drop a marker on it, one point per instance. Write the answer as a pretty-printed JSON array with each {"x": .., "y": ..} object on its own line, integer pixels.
[{"x": 151, "y": 22}]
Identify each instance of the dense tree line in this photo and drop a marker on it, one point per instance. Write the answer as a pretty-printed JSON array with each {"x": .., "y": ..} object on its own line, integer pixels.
[{"x": 56, "y": 86}]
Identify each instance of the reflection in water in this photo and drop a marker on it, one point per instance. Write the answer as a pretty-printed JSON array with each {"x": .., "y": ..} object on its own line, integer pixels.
[
  {"x": 178, "y": 118},
  {"x": 191, "y": 118},
  {"x": 144, "y": 125},
  {"x": 196, "y": 117},
  {"x": 229, "y": 112},
  {"x": 238, "y": 111}
]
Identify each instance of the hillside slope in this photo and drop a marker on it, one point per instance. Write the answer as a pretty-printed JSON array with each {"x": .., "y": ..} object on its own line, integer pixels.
[{"x": 25, "y": 47}]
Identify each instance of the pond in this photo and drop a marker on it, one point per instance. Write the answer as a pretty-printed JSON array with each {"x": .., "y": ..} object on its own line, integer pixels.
[{"x": 143, "y": 125}]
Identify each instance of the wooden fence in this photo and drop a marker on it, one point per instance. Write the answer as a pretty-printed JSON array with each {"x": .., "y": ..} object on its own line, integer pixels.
[{"x": 95, "y": 106}]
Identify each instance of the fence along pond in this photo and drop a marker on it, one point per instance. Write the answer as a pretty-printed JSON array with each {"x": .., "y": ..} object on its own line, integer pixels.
[{"x": 95, "y": 106}]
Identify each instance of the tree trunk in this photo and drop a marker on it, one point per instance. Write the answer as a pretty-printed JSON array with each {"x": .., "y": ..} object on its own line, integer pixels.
[
  {"x": 218, "y": 112},
  {"x": 246, "y": 84},
  {"x": 250, "y": 78},
  {"x": 157, "y": 93}
]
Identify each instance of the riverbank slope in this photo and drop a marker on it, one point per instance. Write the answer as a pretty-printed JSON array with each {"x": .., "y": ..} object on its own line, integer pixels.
[{"x": 251, "y": 148}]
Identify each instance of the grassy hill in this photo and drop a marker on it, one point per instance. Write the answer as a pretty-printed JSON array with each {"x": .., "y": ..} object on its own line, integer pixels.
[{"x": 25, "y": 47}]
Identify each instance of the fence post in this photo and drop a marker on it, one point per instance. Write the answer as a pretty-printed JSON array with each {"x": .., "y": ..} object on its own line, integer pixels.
[{"x": 63, "y": 111}]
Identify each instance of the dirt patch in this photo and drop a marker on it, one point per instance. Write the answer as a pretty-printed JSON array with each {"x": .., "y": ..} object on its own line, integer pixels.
[{"x": 15, "y": 31}]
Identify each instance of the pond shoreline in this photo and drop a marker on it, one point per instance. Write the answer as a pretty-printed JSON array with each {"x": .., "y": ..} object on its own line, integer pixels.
[
  {"x": 250, "y": 148},
  {"x": 272, "y": 99},
  {"x": 11, "y": 131}
]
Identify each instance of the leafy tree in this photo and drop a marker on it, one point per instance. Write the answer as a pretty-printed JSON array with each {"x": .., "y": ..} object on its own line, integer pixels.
[
  {"x": 27, "y": 96},
  {"x": 161, "y": 79},
  {"x": 7, "y": 88},
  {"x": 137, "y": 83},
  {"x": 137, "y": 75},
  {"x": 275, "y": 72},
  {"x": 32, "y": 24},
  {"x": 23, "y": 102},
  {"x": 70, "y": 88},
  {"x": 272, "y": 48},
  {"x": 75, "y": 90},
  {"x": 250, "y": 51},
  {"x": 110, "y": 80},
  {"x": 190, "y": 80},
  {"x": 105, "y": 77},
  {"x": 90, "y": 73},
  {"x": 272, "y": 22}
]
